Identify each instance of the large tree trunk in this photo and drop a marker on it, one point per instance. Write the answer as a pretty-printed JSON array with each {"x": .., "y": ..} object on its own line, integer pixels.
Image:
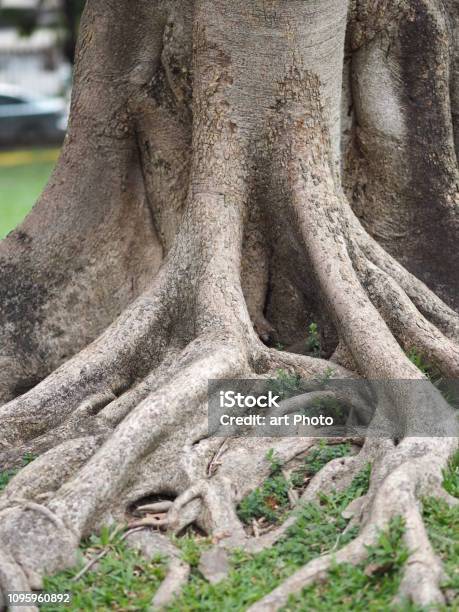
[{"x": 222, "y": 184}]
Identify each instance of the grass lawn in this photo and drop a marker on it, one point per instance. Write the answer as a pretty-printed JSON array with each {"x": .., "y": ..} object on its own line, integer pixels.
[{"x": 23, "y": 174}]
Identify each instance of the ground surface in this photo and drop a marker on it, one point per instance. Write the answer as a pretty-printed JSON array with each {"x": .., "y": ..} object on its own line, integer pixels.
[
  {"x": 23, "y": 175},
  {"x": 125, "y": 581}
]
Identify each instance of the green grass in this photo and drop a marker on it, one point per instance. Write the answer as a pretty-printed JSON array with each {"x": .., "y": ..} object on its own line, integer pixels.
[
  {"x": 125, "y": 581},
  {"x": 270, "y": 501},
  {"x": 20, "y": 187},
  {"x": 451, "y": 476},
  {"x": 7, "y": 475},
  {"x": 252, "y": 576},
  {"x": 122, "y": 580},
  {"x": 370, "y": 586},
  {"x": 442, "y": 524}
]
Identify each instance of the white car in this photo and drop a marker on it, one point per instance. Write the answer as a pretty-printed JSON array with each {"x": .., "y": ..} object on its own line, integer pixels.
[{"x": 27, "y": 118}]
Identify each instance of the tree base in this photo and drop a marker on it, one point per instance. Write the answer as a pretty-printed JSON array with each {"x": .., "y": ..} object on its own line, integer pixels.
[{"x": 125, "y": 420}]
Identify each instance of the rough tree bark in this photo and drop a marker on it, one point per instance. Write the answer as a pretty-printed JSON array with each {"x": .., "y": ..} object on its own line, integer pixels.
[{"x": 220, "y": 182}]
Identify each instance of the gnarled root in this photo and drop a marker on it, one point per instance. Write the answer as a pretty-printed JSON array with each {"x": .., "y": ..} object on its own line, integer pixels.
[{"x": 400, "y": 476}]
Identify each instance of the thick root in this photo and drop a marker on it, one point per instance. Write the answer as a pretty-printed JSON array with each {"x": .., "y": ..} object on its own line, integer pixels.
[
  {"x": 303, "y": 365},
  {"x": 425, "y": 300},
  {"x": 315, "y": 571},
  {"x": 27, "y": 530},
  {"x": 73, "y": 508},
  {"x": 395, "y": 494},
  {"x": 410, "y": 328},
  {"x": 90, "y": 380},
  {"x": 151, "y": 544}
]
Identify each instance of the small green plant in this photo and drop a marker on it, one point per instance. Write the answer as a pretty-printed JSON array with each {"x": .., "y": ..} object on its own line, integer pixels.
[
  {"x": 329, "y": 407},
  {"x": 7, "y": 475},
  {"x": 313, "y": 340},
  {"x": 327, "y": 375},
  {"x": 322, "y": 454},
  {"x": 270, "y": 501},
  {"x": 191, "y": 547},
  {"x": 451, "y": 476},
  {"x": 430, "y": 370},
  {"x": 319, "y": 457},
  {"x": 285, "y": 384},
  {"x": 274, "y": 462},
  {"x": 442, "y": 523},
  {"x": 389, "y": 553}
]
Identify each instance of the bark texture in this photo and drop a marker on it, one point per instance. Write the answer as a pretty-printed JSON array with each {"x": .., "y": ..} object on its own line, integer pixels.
[{"x": 232, "y": 172}]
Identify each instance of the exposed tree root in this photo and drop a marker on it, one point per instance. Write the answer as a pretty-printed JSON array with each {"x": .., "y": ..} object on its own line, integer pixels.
[
  {"x": 209, "y": 479},
  {"x": 150, "y": 545},
  {"x": 12, "y": 575},
  {"x": 410, "y": 328},
  {"x": 425, "y": 300},
  {"x": 396, "y": 494}
]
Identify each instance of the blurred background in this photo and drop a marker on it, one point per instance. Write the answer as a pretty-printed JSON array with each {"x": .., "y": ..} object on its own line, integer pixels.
[{"x": 37, "y": 45}]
